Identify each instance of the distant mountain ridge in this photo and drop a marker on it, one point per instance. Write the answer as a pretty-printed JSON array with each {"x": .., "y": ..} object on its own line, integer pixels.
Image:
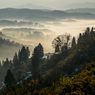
[
  {"x": 82, "y": 10},
  {"x": 28, "y": 14},
  {"x": 41, "y": 15}
]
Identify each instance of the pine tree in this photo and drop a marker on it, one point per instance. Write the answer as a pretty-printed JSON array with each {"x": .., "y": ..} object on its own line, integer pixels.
[
  {"x": 92, "y": 30},
  {"x": 73, "y": 42},
  {"x": 15, "y": 60},
  {"x": 23, "y": 55},
  {"x": 80, "y": 36},
  {"x": 19, "y": 56},
  {"x": 87, "y": 30},
  {"x": 6, "y": 63},
  {"x": 9, "y": 78},
  {"x": 36, "y": 59},
  {"x": 27, "y": 54}
]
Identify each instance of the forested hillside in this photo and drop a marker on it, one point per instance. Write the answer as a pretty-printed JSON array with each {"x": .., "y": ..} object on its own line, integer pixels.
[{"x": 70, "y": 70}]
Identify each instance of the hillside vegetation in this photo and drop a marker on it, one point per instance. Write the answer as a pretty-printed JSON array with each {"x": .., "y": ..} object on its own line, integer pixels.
[{"x": 69, "y": 71}]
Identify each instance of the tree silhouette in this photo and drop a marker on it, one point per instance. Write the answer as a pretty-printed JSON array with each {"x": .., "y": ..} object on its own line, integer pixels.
[
  {"x": 87, "y": 30},
  {"x": 36, "y": 59},
  {"x": 15, "y": 60},
  {"x": 73, "y": 42},
  {"x": 6, "y": 63},
  {"x": 61, "y": 41},
  {"x": 9, "y": 78},
  {"x": 23, "y": 54}
]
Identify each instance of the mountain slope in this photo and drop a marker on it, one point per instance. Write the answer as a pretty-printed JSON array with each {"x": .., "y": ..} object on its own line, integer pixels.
[{"x": 73, "y": 73}]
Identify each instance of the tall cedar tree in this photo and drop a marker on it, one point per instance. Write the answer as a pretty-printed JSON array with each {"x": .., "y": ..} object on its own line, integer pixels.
[{"x": 36, "y": 59}]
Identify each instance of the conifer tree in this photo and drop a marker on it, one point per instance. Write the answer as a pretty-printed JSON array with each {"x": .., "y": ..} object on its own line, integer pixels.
[
  {"x": 36, "y": 59},
  {"x": 87, "y": 30},
  {"x": 19, "y": 56},
  {"x": 27, "y": 54},
  {"x": 80, "y": 36},
  {"x": 73, "y": 42},
  {"x": 15, "y": 60},
  {"x": 6, "y": 63},
  {"x": 23, "y": 55},
  {"x": 92, "y": 30},
  {"x": 9, "y": 78}
]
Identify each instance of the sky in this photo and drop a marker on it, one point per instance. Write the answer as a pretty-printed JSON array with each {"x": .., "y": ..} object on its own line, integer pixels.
[{"x": 53, "y": 4}]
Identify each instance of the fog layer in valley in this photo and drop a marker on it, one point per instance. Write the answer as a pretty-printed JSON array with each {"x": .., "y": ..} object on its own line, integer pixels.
[{"x": 32, "y": 36}]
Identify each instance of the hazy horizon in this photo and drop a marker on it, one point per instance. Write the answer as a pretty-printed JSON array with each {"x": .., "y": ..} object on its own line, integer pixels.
[{"x": 45, "y": 4}]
